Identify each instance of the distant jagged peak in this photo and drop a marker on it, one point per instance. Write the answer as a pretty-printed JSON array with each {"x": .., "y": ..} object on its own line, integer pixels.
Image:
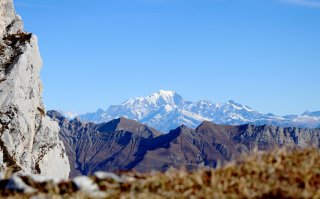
[
  {"x": 166, "y": 109},
  {"x": 183, "y": 127},
  {"x": 206, "y": 101},
  {"x": 206, "y": 126},
  {"x": 238, "y": 106},
  {"x": 165, "y": 93},
  {"x": 124, "y": 124},
  {"x": 69, "y": 115},
  {"x": 234, "y": 104},
  {"x": 311, "y": 114},
  {"x": 53, "y": 114},
  {"x": 201, "y": 104},
  {"x": 162, "y": 97},
  {"x": 182, "y": 130}
]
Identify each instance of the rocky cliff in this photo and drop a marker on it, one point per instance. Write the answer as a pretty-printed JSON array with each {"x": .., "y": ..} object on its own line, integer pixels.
[{"x": 29, "y": 141}]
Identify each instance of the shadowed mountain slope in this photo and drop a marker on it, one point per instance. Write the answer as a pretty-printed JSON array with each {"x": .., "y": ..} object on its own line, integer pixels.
[
  {"x": 109, "y": 146},
  {"x": 124, "y": 144}
]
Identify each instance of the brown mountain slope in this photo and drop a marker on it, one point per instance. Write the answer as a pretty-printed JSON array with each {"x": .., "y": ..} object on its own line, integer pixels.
[
  {"x": 185, "y": 147},
  {"x": 124, "y": 144},
  {"x": 109, "y": 147}
]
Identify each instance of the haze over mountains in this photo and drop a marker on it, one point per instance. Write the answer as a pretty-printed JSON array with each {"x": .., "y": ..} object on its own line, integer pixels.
[{"x": 166, "y": 110}]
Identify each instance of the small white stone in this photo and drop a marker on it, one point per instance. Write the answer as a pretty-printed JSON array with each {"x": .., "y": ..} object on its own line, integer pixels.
[
  {"x": 85, "y": 184},
  {"x": 106, "y": 175},
  {"x": 41, "y": 179},
  {"x": 98, "y": 195}
]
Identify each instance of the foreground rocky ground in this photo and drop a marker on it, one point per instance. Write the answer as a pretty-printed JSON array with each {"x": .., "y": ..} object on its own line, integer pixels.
[{"x": 280, "y": 174}]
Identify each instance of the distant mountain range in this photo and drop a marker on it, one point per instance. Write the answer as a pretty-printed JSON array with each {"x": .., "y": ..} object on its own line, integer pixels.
[
  {"x": 123, "y": 144},
  {"x": 166, "y": 110}
]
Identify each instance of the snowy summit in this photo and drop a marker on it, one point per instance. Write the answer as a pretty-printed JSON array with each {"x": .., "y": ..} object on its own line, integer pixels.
[{"x": 166, "y": 110}]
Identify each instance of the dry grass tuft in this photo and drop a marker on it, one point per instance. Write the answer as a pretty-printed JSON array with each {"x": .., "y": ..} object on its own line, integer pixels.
[{"x": 280, "y": 174}]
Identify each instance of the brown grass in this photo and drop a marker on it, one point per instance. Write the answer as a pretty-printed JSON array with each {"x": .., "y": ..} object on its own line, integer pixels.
[{"x": 280, "y": 174}]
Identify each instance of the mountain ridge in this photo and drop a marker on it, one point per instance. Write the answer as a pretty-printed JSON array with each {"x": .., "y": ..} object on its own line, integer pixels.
[
  {"x": 92, "y": 148},
  {"x": 166, "y": 110}
]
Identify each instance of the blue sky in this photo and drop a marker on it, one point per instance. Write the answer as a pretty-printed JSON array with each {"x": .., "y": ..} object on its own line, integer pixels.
[{"x": 262, "y": 53}]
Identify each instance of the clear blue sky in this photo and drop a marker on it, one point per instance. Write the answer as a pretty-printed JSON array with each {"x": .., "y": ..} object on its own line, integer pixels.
[{"x": 263, "y": 53}]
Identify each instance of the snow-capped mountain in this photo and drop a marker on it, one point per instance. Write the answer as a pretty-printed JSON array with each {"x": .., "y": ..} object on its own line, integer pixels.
[
  {"x": 68, "y": 115},
  {"x": 166, "y": 110},
  {"x": 311, "y": 114}
]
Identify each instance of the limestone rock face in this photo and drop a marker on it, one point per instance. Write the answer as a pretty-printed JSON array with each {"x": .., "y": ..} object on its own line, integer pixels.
[
  {"x": 29, "y": 141},
  {"x": 7, "y": 14}
]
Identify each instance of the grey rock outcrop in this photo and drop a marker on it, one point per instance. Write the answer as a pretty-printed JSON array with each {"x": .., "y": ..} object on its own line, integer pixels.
[{"x": 29, "y": 141}]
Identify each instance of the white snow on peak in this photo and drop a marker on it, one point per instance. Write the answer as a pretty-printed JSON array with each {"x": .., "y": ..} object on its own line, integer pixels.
[
  {"x": 166, "y": 93},
  {"x": 236, "y": 107},
  {"x": 69, "y": 115},
  {"x": 248, "y": 108},
  {"x": 166, "y": 110},
  {"x": 161, "y": 97},
  {"x": 195, "y": 116},
  {"x": 167, "y": 96}
]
